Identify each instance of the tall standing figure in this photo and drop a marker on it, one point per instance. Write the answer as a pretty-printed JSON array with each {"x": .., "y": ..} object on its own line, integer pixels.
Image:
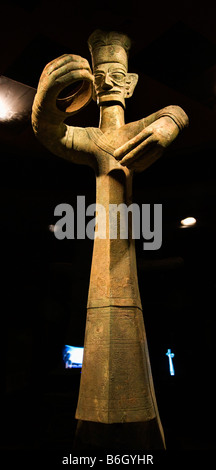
[{"x": 117, "y": 405}]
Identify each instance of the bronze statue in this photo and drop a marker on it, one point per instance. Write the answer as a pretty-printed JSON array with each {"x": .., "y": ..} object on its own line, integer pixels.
[{"x": 116, "y": 381}]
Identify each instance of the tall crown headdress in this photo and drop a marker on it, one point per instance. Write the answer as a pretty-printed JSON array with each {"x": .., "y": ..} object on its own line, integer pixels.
[{"x": 109, "y": 47}]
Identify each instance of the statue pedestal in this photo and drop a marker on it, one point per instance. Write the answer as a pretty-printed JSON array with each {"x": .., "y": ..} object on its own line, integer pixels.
[{"x": 118, "y": 437}]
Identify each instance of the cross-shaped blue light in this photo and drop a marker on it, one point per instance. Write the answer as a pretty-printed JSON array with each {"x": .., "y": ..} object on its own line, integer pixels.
[{"x": 170, "y": 356}]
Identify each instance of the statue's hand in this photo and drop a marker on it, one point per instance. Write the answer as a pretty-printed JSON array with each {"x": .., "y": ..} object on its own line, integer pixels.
[
  {"x": 147, "y": 146},
  {"x": 59, "y": 74}
]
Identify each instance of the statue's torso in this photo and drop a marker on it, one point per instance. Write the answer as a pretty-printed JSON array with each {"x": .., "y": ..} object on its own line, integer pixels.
[
  {"x": 113, "y": 278},
  {"x": 100, "y": 145}
]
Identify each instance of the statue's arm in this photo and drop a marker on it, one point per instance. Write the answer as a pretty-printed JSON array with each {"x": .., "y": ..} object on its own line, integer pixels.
[
  {"x": 174, "y": 112},
  {"x": 160, "y": 130},
  {"x": 49, "y": 112},
  {"x": 50, "y": 129}
]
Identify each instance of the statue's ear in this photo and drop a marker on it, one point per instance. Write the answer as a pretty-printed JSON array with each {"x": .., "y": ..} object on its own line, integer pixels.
[{"x": 131, "y": 81}]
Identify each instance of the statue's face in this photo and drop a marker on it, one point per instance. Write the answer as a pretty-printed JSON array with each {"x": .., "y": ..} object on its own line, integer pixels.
[{"x": 110, "y": 83}]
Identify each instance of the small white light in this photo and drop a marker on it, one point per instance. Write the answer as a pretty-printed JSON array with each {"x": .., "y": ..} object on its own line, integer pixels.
[
  {"x": 188, "y": 221},
  {"x": 53, "y": 228}
]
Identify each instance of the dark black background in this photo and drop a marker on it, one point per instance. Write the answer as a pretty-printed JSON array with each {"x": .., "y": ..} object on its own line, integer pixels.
[{"x": 45, "y": 281}]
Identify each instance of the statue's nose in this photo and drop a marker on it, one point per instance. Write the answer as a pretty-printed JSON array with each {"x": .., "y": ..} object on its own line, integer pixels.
[{"x": 107, "y": 84}]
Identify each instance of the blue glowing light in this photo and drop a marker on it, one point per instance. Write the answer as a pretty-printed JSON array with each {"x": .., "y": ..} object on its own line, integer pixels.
[
  {"x": 170, "y": 356},
  {"x": 72, "y": 356}
]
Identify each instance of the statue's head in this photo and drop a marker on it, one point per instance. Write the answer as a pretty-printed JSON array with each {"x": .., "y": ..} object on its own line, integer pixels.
[{"x": 112, "y": 82}]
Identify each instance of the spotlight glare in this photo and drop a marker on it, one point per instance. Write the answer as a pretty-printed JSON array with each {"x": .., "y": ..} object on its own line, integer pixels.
[
  {"x": 188, "y": 221},
  {"x": 5, "y": 110}
]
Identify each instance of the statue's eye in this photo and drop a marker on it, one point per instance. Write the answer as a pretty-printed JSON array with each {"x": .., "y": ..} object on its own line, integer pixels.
[
  {"x": 98, "y": 77},
  {"x": 118, "y": 76}
]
